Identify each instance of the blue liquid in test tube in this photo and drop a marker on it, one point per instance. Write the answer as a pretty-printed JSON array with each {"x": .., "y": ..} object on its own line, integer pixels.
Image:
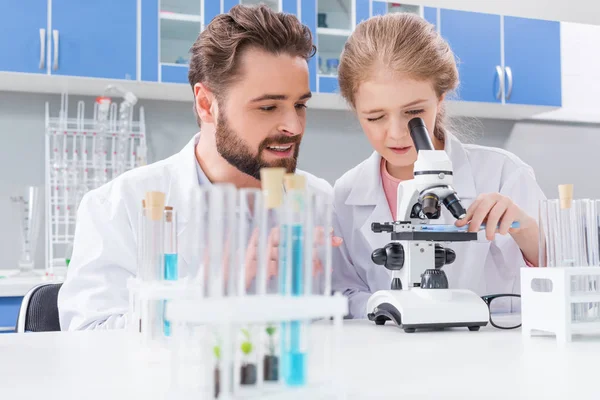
[
  {"x": 171, "y": 272},
  {"x": 293, "y": 353}
]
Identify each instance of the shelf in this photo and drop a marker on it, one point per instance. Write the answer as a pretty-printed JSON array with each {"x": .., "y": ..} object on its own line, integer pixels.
[
  {"x": 167, "y": 15},
  {"x": 334, "y": 32},
  {"x": 180, "y": 6},
  {"x": 272, "y": 4},
  {"x": 38, "y": 83},
  {"x": 337, "y": 14}
]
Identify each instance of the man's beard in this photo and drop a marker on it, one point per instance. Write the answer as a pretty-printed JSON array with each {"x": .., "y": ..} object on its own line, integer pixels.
[{"x": 237, "y": 152}]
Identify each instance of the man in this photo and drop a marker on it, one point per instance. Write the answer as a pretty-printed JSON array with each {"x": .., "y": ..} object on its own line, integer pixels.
[{"x": 249, "y": 74}]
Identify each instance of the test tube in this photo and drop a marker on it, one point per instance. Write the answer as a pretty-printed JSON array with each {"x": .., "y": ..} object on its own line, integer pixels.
[
  {"x": 171, "y": 272},
  {"x": 292, "y": 274},
  {"x": 151, "y": 268},
  {"x": 321, "y": 219},
  {"x": 269, "y": 232},
  {"x": 152, "y": 238},
  {"x": 251, "y": 210},
  {"x": 197, "y": 270},
  {"x": 269, "y": 244},
  {"x": 221, "y": 239}
]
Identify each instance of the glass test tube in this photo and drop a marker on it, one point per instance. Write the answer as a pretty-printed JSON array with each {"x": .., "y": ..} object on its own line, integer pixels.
[
  {"x": 171, "y": 272},
  {"x": 151, "y": 268},
  {"x": 247, "y": 349},
  {"x": 196, "y": 272},
  {"x": 321, "y": 219},
  {"x": 270, "y": 259},
  {"x": 221, "y": 237},
  {"x": 251, "y": 210},
  {"x": 292, "y": 275}
]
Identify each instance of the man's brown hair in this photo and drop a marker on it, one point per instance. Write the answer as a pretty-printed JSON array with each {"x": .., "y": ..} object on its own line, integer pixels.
[{"x": 215, "y": 54}]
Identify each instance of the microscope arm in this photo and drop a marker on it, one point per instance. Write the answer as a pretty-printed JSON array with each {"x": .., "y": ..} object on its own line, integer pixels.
[{"x": 408, "y": 196}]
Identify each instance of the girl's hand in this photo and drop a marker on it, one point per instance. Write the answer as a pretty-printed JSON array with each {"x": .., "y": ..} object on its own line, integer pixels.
[{"x": 498, "y": 212}]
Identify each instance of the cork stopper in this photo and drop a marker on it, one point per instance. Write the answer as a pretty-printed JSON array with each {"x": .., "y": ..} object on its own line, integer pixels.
[
  {"x": 271, "y": 180},
  {"x": 155, "y": 203},
  {"x": 565, "y": 193},
  {"x": 294, "y": 182},
  {"x": 169, "y": 214}
]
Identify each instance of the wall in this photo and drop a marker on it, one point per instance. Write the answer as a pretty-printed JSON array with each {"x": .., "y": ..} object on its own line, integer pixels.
[{"x": 332, "y": 145}]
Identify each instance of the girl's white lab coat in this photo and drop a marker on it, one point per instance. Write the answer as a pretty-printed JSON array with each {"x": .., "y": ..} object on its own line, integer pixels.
[
  {"x": 481, "y": 266},
  {"x": 95, "y": 295}
]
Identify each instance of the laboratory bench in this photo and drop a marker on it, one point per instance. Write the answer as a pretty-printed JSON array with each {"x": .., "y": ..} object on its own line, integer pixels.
[
  {"x": 12, "y": 291},
  {"x": 379, "y": 362}
]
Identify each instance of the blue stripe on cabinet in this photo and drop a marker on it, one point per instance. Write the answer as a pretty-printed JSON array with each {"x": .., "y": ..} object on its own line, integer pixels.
[
  {"x": 362, "y": 10},
  {"x": 175, "y": 74},
  {"x": 150, "y": 61},
  {"x": 379, "y": 7},
  {"x": 309, "y": 18},
  {"x": 212, "y": 8},
  {"x": 228, "y": 4},
  {"x": 430, "y": 15},
  {"x": 328, "y": 84},
  {"x": 290, "y": 7}
]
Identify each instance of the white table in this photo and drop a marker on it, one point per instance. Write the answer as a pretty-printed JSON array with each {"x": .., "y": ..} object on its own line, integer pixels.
[
  {"x": 12, "y": 285},
  {"x": 382, "y": 362}
]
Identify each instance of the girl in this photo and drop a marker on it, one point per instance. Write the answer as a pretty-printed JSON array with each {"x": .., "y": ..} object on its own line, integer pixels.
[{"x": 394, "y": 68}]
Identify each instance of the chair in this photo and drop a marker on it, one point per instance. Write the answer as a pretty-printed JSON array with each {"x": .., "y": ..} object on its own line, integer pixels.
[{"x": 39, "y": 309}]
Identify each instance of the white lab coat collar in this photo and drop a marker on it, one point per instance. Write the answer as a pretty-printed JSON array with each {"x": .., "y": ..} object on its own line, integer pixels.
[
  {"x": 187, "y": 175},
  {"x": 369, "y": 187}
]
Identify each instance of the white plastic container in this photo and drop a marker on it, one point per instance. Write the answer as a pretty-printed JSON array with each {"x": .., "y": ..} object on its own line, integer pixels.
[{"x": 551, "y": 301}]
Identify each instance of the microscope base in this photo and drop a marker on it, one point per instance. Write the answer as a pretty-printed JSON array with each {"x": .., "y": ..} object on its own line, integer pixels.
[{"x": 428, "y": 309}]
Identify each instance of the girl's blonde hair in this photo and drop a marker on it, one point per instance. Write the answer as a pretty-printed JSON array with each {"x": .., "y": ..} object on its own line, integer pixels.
[{"x": 406, "y": 44}]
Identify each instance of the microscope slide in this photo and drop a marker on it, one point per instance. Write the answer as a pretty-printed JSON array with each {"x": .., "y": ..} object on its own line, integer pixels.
[{"x": 453, "y": 228}]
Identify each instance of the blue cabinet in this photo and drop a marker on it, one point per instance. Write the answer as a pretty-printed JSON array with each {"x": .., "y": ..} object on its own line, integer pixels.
[
  {"x": 532, "y": 61},
  {"x": 475, "y": 39},
  {"x": 24, "y": 36},
  {"x": 94, "y": 38},
  {"x": 9, "y": 311}
]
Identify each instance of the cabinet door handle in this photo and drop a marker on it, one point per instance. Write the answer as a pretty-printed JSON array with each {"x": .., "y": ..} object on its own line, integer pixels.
[
  {"x": 500, "y": 82},
  {"x": 509, "y": 77},
  {"x": 42, "y": 48},
  {"x": 55, "y": 37}
]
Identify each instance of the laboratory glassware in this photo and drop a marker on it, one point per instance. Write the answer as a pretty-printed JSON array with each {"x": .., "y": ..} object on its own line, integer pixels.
[
  {"x": 151, "y": 269},
  {"x": 171, "y": 270},
  {"x": 78, "y": 160},
  {"x": 251, "y": 212},
  {"x": 296, "y": 259},
  {"x": 29, "y": 205}
]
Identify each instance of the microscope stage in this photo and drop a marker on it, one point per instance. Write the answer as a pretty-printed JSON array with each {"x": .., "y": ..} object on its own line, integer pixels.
[{"x": 428, "y": 308}]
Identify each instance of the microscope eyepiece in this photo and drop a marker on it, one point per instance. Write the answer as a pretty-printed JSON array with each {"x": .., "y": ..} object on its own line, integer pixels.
[
  {"x": 419, "y": 134},
  {"x": 452, "y": 203}
]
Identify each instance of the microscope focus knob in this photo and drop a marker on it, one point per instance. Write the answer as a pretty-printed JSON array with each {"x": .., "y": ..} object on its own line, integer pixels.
[
  {"x": 434, "y": 279},
  {"x": 391, "y": 256},
  {"x": 443, "y": 256}
]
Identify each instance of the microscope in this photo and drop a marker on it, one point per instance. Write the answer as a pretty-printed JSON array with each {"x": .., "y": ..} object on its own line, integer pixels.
[{"x": 419, "y": 296}]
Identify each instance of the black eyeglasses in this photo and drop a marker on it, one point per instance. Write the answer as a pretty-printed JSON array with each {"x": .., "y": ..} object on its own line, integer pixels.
[{"x": 505, "y": 310}]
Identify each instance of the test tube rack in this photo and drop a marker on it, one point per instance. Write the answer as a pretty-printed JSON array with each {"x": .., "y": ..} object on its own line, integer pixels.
[
  {"x": 212, "y": 301},
  {"x": 553, "y": 300},
  {"x": 189, "y": 311},
  {"x": 72, "y": 146}
]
